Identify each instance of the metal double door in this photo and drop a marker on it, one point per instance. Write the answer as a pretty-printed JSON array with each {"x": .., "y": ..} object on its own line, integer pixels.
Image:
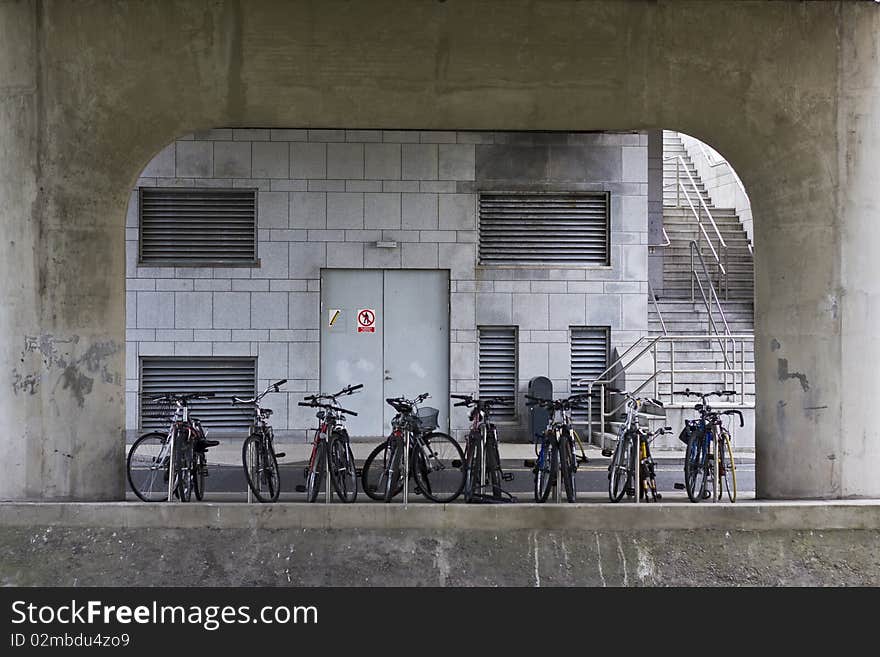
[{"x": 387, "y": 329}]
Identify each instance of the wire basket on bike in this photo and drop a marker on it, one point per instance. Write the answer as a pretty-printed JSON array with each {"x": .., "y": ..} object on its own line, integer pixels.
[{"x": 427, "y": 418}]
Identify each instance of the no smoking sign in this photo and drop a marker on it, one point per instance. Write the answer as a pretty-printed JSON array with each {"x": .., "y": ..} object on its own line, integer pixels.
[{"x": 366, "y": 320}]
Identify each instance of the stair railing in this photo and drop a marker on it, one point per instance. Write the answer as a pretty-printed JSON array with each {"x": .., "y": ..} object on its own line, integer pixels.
[
  {"x": 721, "y": 253},
  {"x": 653, "y": 299},
  {"x": 735, "y": 375}
]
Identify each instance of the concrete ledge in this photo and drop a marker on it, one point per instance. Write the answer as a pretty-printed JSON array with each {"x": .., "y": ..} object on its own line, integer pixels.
[{"x": 751, "y": 516}]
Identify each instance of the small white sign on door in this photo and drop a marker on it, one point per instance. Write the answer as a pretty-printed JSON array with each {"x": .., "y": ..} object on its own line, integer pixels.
[{"x": 366, "y": 320}]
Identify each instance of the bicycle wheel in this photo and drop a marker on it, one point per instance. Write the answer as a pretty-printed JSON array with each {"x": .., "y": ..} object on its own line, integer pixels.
[
  {"x": 342, "y": 469},
  {"x": 183, "y": 470},
  {"x": 545, "y": 471},
  {"x": 727, "y": 466},
  {"x": 375, "y": 471},
  {"x": 438, "y": 467},
  {"x": 567, "y": 463},
  {"x": 201, "y": 471},
  {"x": 315, "y": 474},
  {"x": 147, "y": 467},
  {"x": 260, "y": 468},
  {"x": 620, "y": 469},
  {"x": 471, "y": 469},
  {"x": 394, "y": 473},
  {"x": 696, "y": 467}
]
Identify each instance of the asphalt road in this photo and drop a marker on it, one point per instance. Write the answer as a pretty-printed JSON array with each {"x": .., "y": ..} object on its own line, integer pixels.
[{"x": 227, "y": 482}]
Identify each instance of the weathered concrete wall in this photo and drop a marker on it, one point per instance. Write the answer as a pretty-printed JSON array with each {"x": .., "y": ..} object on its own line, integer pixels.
[
  {"x": 94, "y": 93},
  {"x": 458, "y": 545}
]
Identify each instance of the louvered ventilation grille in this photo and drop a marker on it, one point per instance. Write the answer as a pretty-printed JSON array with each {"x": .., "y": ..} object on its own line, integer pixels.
[
  {"x": 225, "y": 377},
  {"x": 197, "y": 226},
  {"x": 589, "y": 358},
  {"x": 544, "y": 229},
  {"x": 498, "y": 368}
]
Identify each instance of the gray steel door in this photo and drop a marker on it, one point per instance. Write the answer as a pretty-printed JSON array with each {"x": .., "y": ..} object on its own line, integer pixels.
[
  {"x": 399, "y": 347},
  {"x": 347, "y": 356},
  {"x": 417, "y": 338}
]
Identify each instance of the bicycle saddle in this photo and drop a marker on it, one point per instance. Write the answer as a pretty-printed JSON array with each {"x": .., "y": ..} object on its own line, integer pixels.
[{"x": 203, "y": 444}]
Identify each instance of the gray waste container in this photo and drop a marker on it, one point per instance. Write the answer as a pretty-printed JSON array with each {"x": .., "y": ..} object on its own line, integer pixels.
[{"x": 540, "y": 387}]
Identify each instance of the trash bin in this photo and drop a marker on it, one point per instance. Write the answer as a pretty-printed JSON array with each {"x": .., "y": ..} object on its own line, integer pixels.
[{"x": 540, "y": 387}]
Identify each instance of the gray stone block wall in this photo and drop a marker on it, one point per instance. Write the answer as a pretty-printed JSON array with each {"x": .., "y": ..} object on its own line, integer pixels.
[{"x": 326, "y": 197}]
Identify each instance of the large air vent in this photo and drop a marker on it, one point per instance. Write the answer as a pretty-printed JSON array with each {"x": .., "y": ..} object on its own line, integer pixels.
[
  {"x": 589, "y": 358},
  {"x": 225, "y": 377},
  {"x": 199, "y": 227},
  {"x": 538, "y": 229},
  {"x": 498, "y": 368}
]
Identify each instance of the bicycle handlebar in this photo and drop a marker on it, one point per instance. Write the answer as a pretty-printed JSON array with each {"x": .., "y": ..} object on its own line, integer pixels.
[
  {"x": 330, "y": 407},
  {"x": 733, "y": 411}
]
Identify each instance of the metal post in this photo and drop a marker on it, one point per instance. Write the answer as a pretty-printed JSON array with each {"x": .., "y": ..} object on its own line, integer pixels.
[
  {"x": 715, "y": 483},
  {"x": 637, "y": 475},
  {"x": 327, "y": 497},
  {"x": 693, "y": 272},
  {"x": 405, "y": 467},
  {"x": 656, "y": 383},
  {"x": 483, "y": 465},
  {"x": 678, "y": 183},
  {"x": 171, "y": 469},
  {"x": 558, "y": 471},
  {"x": 601, "y": 413},
  {"x": 671, "y": 368}
]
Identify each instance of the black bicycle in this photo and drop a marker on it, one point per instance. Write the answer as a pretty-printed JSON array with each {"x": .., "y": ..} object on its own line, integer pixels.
[
  {"x": 434, "y": 459},
  {"x": 331, "y": 448},
  {"x": 709, "y": 453},
  {"x": 258, "y": 455},
  {"x": 482, "y": 461},
  {"x": 180, "y": 452},
  {"x": 555, "y": 449}
]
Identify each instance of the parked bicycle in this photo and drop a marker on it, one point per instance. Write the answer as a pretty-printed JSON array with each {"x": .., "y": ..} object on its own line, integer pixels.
[
  {"x": 482, "y": 461},
  {"x": 633, "y": 447},
  {"x": 258, "y": 455},
  {"x": 331, "y": 448},
  {"x": 434, "y": 459},
  {"x": 179, "y": 453},
  {"x": 709, "y": 453},
  {"x": 555, "y": 449}
]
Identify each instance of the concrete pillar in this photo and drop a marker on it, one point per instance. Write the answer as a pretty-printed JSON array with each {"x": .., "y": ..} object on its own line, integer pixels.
[
  {"x": 655, "y": 210},
  {"x": 818, "y": 295},
  {"x": 61, "y": 297}
]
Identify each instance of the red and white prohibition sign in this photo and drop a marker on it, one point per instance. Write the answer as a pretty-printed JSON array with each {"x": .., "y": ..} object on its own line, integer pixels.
[{"x": 366, "y": 319}]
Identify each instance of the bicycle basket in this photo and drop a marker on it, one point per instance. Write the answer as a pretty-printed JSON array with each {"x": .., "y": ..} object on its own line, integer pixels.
[
  {"x": 690, "y": 427},
  {"x": 427, "y": 418}
]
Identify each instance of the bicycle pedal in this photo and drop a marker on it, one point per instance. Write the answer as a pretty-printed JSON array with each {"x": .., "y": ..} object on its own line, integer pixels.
[
  {"x": 583, "y": 459},
  {"x": 507, "y": 476},
  {"x": 280, "y": 455},
  {"x": 529, "y": 463},
  {"x": 678, "y": 486},
  {"x": 359, "y": 472},
  {"x": 607, "y": 452},
  {"x": 300, "y": 488},
  {"x": 456, "y": 463}
]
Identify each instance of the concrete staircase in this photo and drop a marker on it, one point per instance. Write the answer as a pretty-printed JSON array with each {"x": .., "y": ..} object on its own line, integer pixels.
[{"x": 682, "y": 227}]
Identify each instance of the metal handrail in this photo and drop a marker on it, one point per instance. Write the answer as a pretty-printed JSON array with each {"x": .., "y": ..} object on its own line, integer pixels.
[
  {"x": 681, "y": 165},
  {"x": 694, "y": 248},
  {"x": 666, "y": 240},
  {"x": 736, "y": 178},
  {"x": 657, "y": 308},
  {"x": 735, "y": 371},
  {"x": 722, "y": 244}
]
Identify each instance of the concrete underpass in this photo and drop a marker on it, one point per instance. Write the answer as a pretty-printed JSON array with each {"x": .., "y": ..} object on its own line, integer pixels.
[{"x": 367, "y": 157}]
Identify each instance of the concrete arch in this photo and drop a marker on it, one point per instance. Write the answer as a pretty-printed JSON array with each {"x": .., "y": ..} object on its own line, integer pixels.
[{"x": 787, "y": 91}]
